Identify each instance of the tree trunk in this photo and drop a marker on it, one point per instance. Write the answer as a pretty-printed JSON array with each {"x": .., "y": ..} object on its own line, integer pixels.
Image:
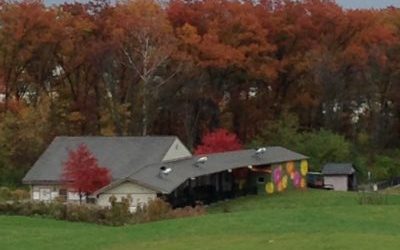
[
  {"x": 144, "y": 108},
  {"x": 144, "y": 113},
  {"x": 110, "y": 87},
  {"x": 80, "y": 197}
]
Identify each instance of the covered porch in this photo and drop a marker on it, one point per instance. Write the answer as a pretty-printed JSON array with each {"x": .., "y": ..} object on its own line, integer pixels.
[{"x": 228, "y": 184}]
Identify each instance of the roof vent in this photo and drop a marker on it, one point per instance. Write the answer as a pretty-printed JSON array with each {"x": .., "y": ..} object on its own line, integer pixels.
[
  {"x": 260, "y": 151},
  {"x": 201, "y": 160},
  {"x": 164, "y": 171}
]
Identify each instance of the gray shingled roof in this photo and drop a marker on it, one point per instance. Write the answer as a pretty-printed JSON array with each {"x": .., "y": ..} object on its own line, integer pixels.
[
  {"x": 185, "y": 169},
  {"x": 121, "y": 155},
  {"x": 338, "y": 169}
]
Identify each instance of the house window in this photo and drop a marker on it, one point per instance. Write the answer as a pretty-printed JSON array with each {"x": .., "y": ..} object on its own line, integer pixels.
[
  {"x": 63, "y": 192},
  {"x": 261, "y": 180},
  {"x": 36, "y": 195},
  {"x": 45, "y": 194}
]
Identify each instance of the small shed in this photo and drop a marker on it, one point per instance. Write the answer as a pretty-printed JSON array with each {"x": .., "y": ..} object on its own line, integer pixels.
[{"x": 341, "y": 176}]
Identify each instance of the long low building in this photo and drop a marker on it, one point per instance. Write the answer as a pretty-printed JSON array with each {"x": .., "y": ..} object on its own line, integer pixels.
[{"x": 144, "y": 168}]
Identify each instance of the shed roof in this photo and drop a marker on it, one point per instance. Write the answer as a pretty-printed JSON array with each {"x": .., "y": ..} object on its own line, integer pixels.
[
  {"x": 338, "y": 169},
  {"x": 184, "y": 169},
  {"x": 121, "y": 155}
]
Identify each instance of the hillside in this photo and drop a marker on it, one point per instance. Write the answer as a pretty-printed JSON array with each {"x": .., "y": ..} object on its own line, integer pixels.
[{"x": 308, "y": 220}]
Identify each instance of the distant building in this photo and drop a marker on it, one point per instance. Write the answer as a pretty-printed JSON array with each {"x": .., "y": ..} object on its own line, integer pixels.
[{"x": 340, "y": 176}]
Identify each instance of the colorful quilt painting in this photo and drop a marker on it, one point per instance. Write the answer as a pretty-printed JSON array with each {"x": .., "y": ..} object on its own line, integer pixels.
[{"x": 290, "y": 175}]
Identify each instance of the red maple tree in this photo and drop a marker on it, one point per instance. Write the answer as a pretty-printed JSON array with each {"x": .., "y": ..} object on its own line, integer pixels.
[
  {"x": 219, "y": 140},
  {"x": 82, "y": 173}
]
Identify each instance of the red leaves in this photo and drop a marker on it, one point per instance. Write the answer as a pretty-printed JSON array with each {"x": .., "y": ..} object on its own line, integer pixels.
[
  {"x": 218, "y": 141},
  {"x": 82, "y": 173},
  {"x": 232, "y": 34}
]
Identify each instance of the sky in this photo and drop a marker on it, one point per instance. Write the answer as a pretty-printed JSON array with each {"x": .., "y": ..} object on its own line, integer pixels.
[
  {"x": 345, "y": 3},
  {"x": 368, "y": 3}
]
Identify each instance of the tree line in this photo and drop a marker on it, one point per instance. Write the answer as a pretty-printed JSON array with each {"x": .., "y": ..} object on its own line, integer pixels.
[{"x": 144, "y": 67}]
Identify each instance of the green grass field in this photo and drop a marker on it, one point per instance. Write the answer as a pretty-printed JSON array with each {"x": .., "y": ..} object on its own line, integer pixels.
[{"x": 296, "y": 220}]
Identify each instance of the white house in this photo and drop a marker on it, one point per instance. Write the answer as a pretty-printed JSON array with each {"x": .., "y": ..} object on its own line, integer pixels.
[{"x": 121, "y": 155}]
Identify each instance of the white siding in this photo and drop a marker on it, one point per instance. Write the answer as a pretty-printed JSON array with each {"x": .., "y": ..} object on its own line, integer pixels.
[
  {"x": 339, "y": 182},
  {"x": 50, "y": 193},
  {"x": 139, "y": 195},
  {"x": 74, "y": 196},
  {"x": 176, "y": 151},
  {"x": 44, "y": 193}
]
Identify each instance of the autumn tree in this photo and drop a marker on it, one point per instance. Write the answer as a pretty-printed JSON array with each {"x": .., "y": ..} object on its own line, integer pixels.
[
  {"x": 144, "y": 38},
  {"x": 25, "y": 131},
  {"x": 229, "y": 44},
  {"x": 82, "y": 173},
  {"x": 219, "y": 140},
  {"x": 77, "y": 72},
  {"x": 27, "y": 39}
]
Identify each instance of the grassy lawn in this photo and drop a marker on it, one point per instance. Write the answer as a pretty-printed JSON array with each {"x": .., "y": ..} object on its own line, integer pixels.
[{"x": 297, "y": 220}]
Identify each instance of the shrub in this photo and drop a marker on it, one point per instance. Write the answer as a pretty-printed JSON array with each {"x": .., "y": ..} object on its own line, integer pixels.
[
  {"x": 226, "y": 208},
  {"x": 20, "y": 194},
  {"x": 5, "y": 193},
  {"x": 372, "y": 198},
  {"x": 158, "y": 209},
  {"x": 119, "y": 213},
  {"x": 75, "y": 212},
  {"x": 15, "y": 195},
  {"x": 187, "y": 212},
  {"x": 385, "y": 167},
  {"x": 116, "y": 215}
]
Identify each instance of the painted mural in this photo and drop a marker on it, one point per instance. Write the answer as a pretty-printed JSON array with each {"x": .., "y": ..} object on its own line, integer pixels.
[{"x": 290, "y": 175}]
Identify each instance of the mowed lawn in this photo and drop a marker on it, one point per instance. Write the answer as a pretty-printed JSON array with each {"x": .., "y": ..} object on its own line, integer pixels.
[{"x": 296, "y": 220}]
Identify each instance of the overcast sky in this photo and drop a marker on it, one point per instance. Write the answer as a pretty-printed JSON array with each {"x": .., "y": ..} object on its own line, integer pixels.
[
  {"x": 345, "y": 3},
  {"x": 368, "y": 3}
]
